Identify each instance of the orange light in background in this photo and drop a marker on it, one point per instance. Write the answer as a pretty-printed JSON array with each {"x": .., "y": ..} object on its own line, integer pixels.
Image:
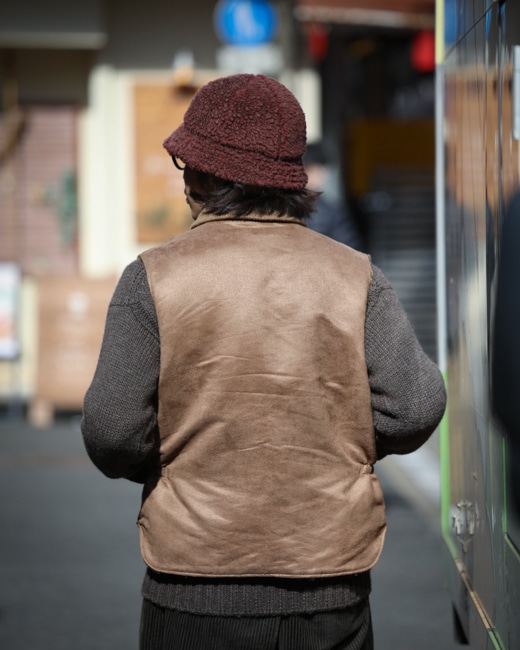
[
  {"x": 423, "y": 52},
  {"x": 317, "y": 41}
]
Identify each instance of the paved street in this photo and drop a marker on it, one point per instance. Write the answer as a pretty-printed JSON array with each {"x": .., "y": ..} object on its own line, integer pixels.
[{"x": 70, "y": 568}]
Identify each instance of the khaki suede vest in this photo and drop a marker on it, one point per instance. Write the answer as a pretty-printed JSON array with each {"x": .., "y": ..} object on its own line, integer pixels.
[{"x": 267, "y": 443}]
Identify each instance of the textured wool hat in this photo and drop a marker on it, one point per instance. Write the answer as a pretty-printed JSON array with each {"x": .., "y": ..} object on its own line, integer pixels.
[{"x": 244, "y": 128}]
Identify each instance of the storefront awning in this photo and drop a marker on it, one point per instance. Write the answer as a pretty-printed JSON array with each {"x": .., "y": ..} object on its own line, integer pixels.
[
  {"x": 70, "y": 24},
  {"x": 404, "y": 14}
]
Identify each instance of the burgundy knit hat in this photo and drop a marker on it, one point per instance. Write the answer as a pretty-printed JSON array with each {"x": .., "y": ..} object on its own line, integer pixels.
[{"x": 244, "y": 128}]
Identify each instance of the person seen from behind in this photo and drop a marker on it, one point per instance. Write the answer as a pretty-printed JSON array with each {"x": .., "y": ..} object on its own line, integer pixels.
[
  {"x": 330, "y": 214},
  {"x": 252, "y": 373}
]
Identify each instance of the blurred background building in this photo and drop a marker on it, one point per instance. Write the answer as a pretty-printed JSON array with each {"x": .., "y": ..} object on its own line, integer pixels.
[{"x": 89, "y": 90}]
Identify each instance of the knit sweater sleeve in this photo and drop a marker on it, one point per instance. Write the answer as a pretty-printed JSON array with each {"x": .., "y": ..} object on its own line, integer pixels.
[
  {"x": 119, "y": 423},
  {"x": 407, "y": 388}
]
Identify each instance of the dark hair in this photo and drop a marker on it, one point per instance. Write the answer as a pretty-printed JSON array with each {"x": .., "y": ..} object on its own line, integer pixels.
[{"x": 222, "y": 197}]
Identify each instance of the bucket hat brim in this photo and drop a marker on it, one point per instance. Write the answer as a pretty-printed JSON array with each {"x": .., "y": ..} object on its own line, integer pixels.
[{"x": 200, "y": 153}]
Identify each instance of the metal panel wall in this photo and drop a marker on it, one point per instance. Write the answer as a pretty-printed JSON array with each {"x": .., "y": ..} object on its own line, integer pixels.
[{"x": 481, "y": 174}]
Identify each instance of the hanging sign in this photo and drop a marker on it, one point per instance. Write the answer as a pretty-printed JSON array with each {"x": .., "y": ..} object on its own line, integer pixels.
[{"x": 245, "y": 23}]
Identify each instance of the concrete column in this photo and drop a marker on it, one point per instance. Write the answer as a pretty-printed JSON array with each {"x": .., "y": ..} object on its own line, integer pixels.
[{"x": 106, "y": 226}]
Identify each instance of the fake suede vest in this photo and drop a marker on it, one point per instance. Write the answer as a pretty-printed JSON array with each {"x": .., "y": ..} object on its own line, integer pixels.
[{"x": 267, "y": 442}]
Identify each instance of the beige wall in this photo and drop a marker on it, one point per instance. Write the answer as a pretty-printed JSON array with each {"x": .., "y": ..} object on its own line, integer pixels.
[{"x": 141, "y": 42}]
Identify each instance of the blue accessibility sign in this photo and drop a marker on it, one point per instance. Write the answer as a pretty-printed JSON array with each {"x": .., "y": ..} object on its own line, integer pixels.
[{"x": 245, "y": 22}]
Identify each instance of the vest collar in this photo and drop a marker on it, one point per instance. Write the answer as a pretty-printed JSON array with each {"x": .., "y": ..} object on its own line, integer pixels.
[{"x": 205, "y": 217}]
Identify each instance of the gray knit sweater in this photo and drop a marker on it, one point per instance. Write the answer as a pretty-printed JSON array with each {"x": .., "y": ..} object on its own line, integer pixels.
[{"x": 119, "y": 427}]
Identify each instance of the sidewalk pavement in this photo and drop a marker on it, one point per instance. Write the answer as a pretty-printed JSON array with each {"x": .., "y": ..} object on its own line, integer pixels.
[{"x": 70, "y": 568}]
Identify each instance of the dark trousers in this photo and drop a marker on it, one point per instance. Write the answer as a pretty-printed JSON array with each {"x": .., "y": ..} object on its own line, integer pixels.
[{"x": 167, "y": 629}]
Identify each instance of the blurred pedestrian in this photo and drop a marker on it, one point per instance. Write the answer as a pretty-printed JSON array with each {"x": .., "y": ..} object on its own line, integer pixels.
[
  {"x": 331, "y": 216},
  {"x": 251, "y": 374}
]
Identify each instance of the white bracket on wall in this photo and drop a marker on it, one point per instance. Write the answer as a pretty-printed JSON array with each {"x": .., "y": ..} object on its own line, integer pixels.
[{"x": 464, "y": 522}]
